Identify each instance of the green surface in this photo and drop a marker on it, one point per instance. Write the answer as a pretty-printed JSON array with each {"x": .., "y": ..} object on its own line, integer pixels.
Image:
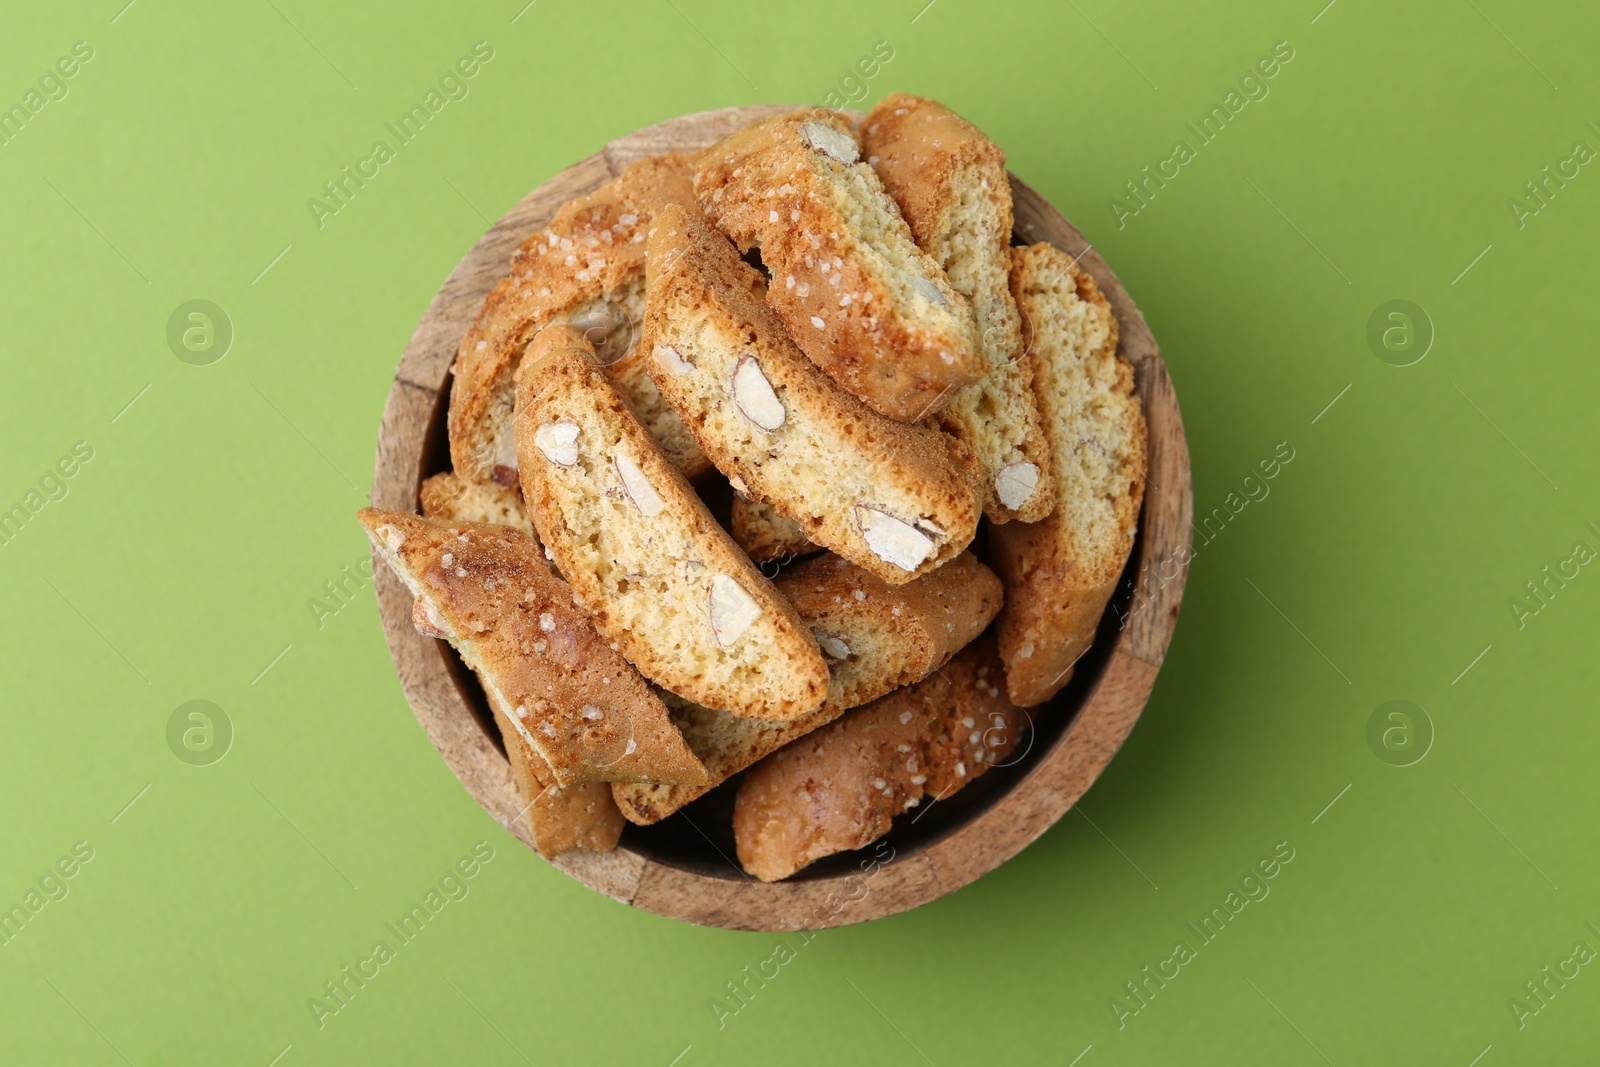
[{"x": 1381, "y": 564}]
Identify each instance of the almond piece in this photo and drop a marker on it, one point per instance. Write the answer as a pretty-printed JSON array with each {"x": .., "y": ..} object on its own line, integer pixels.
[
  {"x": 669, "y": 358},
  {"x": 753, "y": 395},
  {"x": 893, "y": 540},
  {"x": 929, "y": 292},
  {"x": 558, "y": 441},
  {"x": 832, "y": 646},
  {"x": 1015, "y": 482},
  {"x": 505, "y": 452},
  {"x": 426, "y": 618},
  {"x": 732, "y": 609},
  {"x": 643, "y": 495},
  {"x": 839, "y": 147}
]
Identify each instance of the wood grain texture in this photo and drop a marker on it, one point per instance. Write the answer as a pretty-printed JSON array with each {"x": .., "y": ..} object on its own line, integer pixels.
[{"x": 410, "y": 443}]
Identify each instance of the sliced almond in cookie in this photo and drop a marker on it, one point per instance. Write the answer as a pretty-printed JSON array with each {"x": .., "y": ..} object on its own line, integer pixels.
[
  {"x": 645, "y": 558},
  {"x": 732, "y": 609},
  {"x": 895, "y": 541},
  {"x": 833, "y": 646},
  {"x": 835, "y": 143},
  {"x": 1015, "y": 483},
  {"x": 894, "y": 498},
  {"x": 753, "y": 395},
  {"x": 673, "y": 361},
  {"x": 638, "y": 487},
  {"x": 558, "y": 442}
]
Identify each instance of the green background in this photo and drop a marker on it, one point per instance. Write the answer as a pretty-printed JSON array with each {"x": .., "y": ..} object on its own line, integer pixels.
[{"x": 1383, "y": 561}]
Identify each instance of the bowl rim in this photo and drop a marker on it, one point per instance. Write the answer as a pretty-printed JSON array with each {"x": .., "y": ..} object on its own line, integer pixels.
[{"x": 408, "y": 438}]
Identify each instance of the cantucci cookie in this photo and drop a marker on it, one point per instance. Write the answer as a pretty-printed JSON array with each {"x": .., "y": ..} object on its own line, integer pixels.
[
  {"x": 848, "y": 281},
  {"x": 894, "y": 498},
  {"x": 580, "y": 818},
  {"x": 448, "y": 497},
  {"x": 586, "y": 268},
  {"x": 765, "y": 535},
  {"x": 643, "y": 554},
  {"x": 841, "y": 786},
  {"x": 950, "y": 182},
  {"x": 876, "y": 637},
  {"x": 558, "y": 684},
  {"x": 1060, "y": 572}
]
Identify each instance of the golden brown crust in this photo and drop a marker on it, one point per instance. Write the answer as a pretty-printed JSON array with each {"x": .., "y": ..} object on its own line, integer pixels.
[
  {"x": 920, "y": 149},
  {"x": 1060, "y": 572},
  {"x": 892, "y": 635},
  {"x": 661, "y": 579},
  {"x": 854, "y": 480},
  {"x": 877, "y": 636},
  {"x": 951, "y": 185},
  {"x": 587, "y": 266},
  {"x": 848, "y": 282},
  {"x": 580, "y": 818},
  {"x": 486, "y": 590},
  {"x": 841, "y": 786}
]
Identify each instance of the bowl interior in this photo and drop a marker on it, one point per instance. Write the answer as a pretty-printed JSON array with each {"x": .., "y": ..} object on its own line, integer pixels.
[{"x": 699, "y": 837}]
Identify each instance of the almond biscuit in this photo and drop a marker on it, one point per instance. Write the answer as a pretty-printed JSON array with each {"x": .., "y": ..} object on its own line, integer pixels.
[
  {"x": 643, "y": 554},
  {"x": 841, "y": 786},
  {"x": 951, "y": 185},
  {"x": 558, "y": 684},
  {"x": 847, "y": 280},
  {"x": 894, "y": 498},
  {"x": 1060, "y": 572}
]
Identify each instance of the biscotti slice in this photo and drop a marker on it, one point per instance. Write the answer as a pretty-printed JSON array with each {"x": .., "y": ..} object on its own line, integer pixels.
[
  {"x": 847, "y": 280},
  {"x": 895, "y": 498},
  {"x": 1061, "y": 571},
  {"x": 840, "y": 787},
  {"x": 486, "y": 590},
  {"x": 765, "y": 535},
  {"x": 579, "y": 818},
  {"x": 951, "y": 185},
  {"x": 644, "y": 556},
  {"x": 448, "y": 497},
  {"x": 585, "y": 268},
  {"x": 876, "y": 636}
]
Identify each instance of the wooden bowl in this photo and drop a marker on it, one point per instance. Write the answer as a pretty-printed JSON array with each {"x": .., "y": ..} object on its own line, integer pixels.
[{"x": 683, "y": 866}]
